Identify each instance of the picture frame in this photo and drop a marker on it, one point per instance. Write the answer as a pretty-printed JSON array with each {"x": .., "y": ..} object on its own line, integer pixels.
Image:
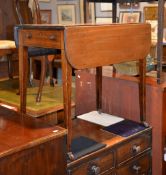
[
  {"x": 154, "y": 28},
  {"x": 103, "y": 10},
  {"x": 107, "y": 20},
  {"x": 66, "y": 14},
  {"x": 106, "y": 7},
  {"x": 150, "y": 13},
  {"x": 46, "y": 16},
  {"x": 129, "y": 17}
]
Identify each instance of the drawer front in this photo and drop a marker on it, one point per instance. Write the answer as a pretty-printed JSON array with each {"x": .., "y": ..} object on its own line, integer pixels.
[
  {"x": 141, "y": 166},
  {"x": 94, "y": 167},
  {"x": 42, "y": 38},
  {"x": 133, "y": 147}
]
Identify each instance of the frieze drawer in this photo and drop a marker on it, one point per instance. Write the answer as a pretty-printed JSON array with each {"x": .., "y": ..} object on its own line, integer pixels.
[
  {"x": 96, "y": 166},
  {"x": 140, "y": 166},
  {"x": 49, "y": 38},
  {"x": 133, "y": 147}
]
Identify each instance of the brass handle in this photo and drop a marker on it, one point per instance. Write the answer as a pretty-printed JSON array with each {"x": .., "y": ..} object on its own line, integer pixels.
[
  {"x": 29, "y": 35},
  {"x": 95, "y": 170},
  {"x": 136, "y": 168},
  {"x": 52, "y": 37},
  {"x": 136, "y": 149}
]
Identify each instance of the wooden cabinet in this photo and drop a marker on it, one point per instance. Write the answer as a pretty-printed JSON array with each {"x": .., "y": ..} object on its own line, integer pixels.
[
  {"x": 30, "y": 146},
  {"x": 129, "y": 156}
]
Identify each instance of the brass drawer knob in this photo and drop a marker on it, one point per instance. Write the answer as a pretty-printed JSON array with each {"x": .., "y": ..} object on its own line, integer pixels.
[
  {"x": 95, "y": 170},
  {"x": 136, "y": 168},
  {"x": 29, "y": 35},
  {"x": 136, "y": 149},
  {"x": 52, "y": 37}
]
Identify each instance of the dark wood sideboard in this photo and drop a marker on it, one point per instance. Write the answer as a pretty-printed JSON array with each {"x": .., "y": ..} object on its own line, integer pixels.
[{"x": 29, "y": 146}]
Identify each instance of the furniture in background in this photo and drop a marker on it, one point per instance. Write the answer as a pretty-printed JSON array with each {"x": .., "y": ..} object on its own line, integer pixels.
[
  {"x": 32, "y": 16},
  {"x": 8, "y": 48},
  {"x": 30, "y": 146},
  {"x": 71, "y": 52},
  {"x": 160, "y": 27}
]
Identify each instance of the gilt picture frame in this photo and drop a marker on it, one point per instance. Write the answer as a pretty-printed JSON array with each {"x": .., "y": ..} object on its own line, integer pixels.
[
  {"x": 46, "y": 16},
  {"x": 129, "y": 17}
]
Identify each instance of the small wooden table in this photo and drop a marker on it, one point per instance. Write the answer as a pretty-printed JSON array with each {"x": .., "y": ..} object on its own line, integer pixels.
[{"x": 48, "y": 36}]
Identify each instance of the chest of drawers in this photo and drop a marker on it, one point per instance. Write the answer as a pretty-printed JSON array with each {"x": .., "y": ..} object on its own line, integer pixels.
[{"x": 128, "y": 156}]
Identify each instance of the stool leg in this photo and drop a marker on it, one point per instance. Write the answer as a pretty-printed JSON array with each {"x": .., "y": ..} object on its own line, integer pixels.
[{"x": 42, "y": 78}]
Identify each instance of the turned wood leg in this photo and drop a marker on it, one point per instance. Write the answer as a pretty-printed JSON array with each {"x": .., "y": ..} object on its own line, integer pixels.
[{"x": 42, "y": 78}]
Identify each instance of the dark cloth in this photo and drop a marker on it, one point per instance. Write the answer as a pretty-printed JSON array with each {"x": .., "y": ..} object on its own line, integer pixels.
[
  {"x": 125, "y": 128},
  {"x": 82, "y": 146}
]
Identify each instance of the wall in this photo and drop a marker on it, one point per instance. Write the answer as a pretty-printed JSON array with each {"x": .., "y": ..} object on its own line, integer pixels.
[{"x": 52, "y": 4}]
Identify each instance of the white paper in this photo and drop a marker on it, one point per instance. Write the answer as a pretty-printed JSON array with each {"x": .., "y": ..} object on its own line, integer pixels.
[{"x": 102, "y": 119}]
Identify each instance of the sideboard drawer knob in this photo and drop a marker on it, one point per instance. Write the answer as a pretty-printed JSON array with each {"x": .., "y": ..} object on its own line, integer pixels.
[
  {"x": 136, "y": 168},
  {"x": 136, "y": 149},
  {"x": 29, "y": 35},
  {"x": 95, "y": 170},
  {"x": 52, "y": 37}
]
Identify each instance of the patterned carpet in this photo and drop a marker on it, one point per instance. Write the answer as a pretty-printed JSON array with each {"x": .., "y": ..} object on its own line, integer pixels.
[{"x": 52, "y": 97}]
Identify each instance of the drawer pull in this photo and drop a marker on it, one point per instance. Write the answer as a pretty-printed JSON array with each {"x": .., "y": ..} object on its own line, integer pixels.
[
  {"x": 136, "y": 149},
  {"x": 29, "y": 35},
  {"x": 95, "y": 170},
  {"x": 52, "y": 37},
  {"x": 136, "y": 168}
]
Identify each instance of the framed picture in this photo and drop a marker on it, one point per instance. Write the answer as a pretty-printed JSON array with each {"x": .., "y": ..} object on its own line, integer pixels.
[
  {"x": 127, "y": 5},
  {"x": 106, "y": 7},
  {"x": 66, "y": 14},
  {"x": 129, "y": 17},
  {"x": 104, "y": 20},
  {"x": 154, "y": 28},
  {"x": 103, "y": 9},
  {"x": 45, "y": 16},
  {"x": 150, "y": 13}
]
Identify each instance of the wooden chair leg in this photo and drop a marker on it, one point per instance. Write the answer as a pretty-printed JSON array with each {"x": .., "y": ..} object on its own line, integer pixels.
[
  {"x": 42, "y": 78},
  {"x": 10, "y": 68},
  {"x": 50, "y": 67},
  {"x": 30, "y": 72}
]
